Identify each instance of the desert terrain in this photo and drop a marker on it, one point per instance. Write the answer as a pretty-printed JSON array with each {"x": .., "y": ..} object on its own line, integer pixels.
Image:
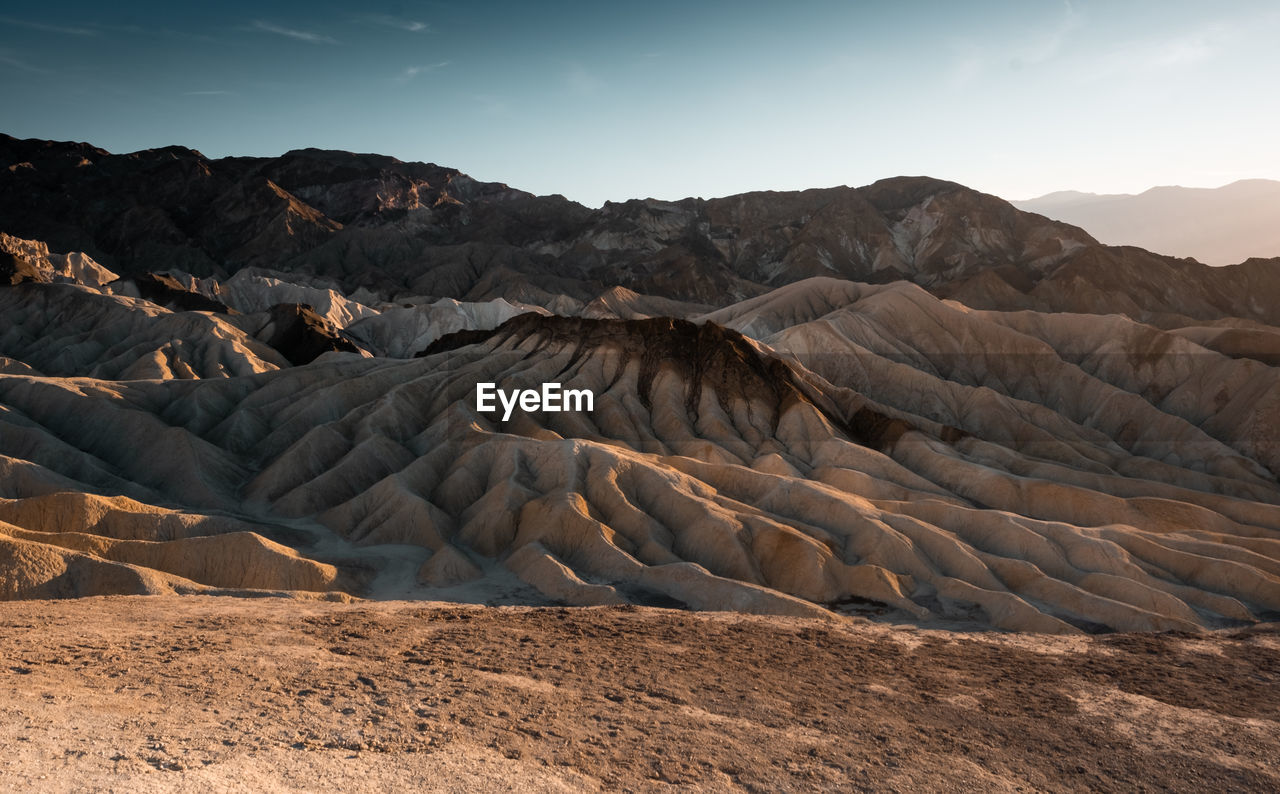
[
  {"x": 202, "y": 693},
  {"x": 891, "y": 487}
]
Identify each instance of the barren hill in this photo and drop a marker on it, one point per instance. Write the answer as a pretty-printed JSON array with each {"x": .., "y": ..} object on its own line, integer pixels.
[
  {"x": 907, "y": 400},
  {"x": 897, "y": 450}
]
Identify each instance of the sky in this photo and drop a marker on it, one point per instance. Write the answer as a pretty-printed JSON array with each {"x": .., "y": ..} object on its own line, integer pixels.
[{"x": 614, "y": 100}]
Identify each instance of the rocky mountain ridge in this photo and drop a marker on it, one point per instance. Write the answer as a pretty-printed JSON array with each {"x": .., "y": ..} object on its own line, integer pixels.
[{"x": 398, "y": 229}]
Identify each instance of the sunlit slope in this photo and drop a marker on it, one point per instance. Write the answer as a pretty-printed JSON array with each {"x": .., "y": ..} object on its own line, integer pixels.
[{"x": 1046, "y": 484}]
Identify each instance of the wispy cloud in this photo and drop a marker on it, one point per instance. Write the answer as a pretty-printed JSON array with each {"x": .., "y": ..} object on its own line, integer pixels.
[
  {"x": 208, "y": 93},
  {"x": 297, "y": 35},
  {"x": 12, "y": 61},
  {"x": 413, "y": 71},
  {"x": 168, "y": 33},
  {"x": 388, "y": 21},
  {"x": 1045, "y": 45},
  {"x": 1033, "y": 48},
  {"x": 46, "y": 28},
  {"x": 1063, "y": 43},
  {"x": 1159, "y": 56}
]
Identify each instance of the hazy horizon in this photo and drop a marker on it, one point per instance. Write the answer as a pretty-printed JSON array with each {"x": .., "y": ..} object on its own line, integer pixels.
[{"x": 672, "y": 100}]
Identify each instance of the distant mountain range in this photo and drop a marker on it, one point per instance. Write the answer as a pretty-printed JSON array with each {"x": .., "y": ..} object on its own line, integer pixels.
[
  {"x": 373, "y": 223},
  {"x": 1217, "y": 226}
]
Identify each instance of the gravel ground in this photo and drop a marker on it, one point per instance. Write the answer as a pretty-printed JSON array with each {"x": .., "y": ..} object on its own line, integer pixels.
[{"x": 225, "y": 694}]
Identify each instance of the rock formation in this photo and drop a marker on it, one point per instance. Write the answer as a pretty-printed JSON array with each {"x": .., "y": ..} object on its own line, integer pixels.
[{"x": 908, "y": 397}]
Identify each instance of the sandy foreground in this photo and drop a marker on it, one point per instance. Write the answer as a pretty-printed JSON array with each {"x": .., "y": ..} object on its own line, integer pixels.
[{"x": 223, "y": 694}]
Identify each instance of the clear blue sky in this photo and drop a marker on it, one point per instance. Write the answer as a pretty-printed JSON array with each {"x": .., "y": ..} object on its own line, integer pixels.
[{"x": 605, "y": 100}]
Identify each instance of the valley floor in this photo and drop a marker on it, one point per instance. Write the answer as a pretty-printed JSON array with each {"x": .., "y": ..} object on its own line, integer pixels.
[{"x": 204, "y": 693}]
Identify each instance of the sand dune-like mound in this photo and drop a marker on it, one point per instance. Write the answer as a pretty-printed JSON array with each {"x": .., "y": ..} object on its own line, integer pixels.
[
  {"x": 38, "y": 570},
  {"x": 408, "y": 330},
  {"x": 70, "y": 330},
  {"x": 857, "y": 458},
  {"x": 54, "y": 565},
  {"x": 73, "y": 543},
  {"x": 794, "y": 304}
]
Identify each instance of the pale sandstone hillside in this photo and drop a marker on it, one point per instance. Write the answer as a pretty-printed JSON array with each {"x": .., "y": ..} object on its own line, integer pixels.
[
  {"x": 715, "y": 474},
  {"x": 70, "y": 330},
  {"x": 80, "y": 319}
]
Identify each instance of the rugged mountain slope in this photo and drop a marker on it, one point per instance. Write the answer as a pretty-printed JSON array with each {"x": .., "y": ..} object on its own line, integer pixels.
[
  {"x": 69, "y": 316},
  {"x": 714, "y": 473},
  {"x": 1218, "y": 226},
  {"x": 927, "y": 404},
  {"x": 416, "y": 229},
  {"x": 172, "y": 207}
]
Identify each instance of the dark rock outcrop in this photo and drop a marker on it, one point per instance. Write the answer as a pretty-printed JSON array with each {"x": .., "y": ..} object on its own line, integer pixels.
[
  {"x": 167, "y": 291},
  {"x": 301, "y": 335}
]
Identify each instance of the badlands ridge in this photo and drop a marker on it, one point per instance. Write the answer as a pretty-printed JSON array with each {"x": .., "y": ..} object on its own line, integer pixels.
[{"x": 908, "y": 400}]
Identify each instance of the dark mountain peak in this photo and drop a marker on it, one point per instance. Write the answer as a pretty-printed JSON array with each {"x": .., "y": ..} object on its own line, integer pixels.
[
  {"x": 341, "y": 163},
  {"x": 704, "y": 354},
  {"x": 901, "y": 192},
  {"x": 343, "y": 157},
  {"x": 707, "y": 358},
  {"x": 164, "y": 153},
  {"x": 330, "y": 166},
  {"x": 301, "y": 335},
  {"x": 19, "y": 150},
  {"x": 165, "y": 290}
]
